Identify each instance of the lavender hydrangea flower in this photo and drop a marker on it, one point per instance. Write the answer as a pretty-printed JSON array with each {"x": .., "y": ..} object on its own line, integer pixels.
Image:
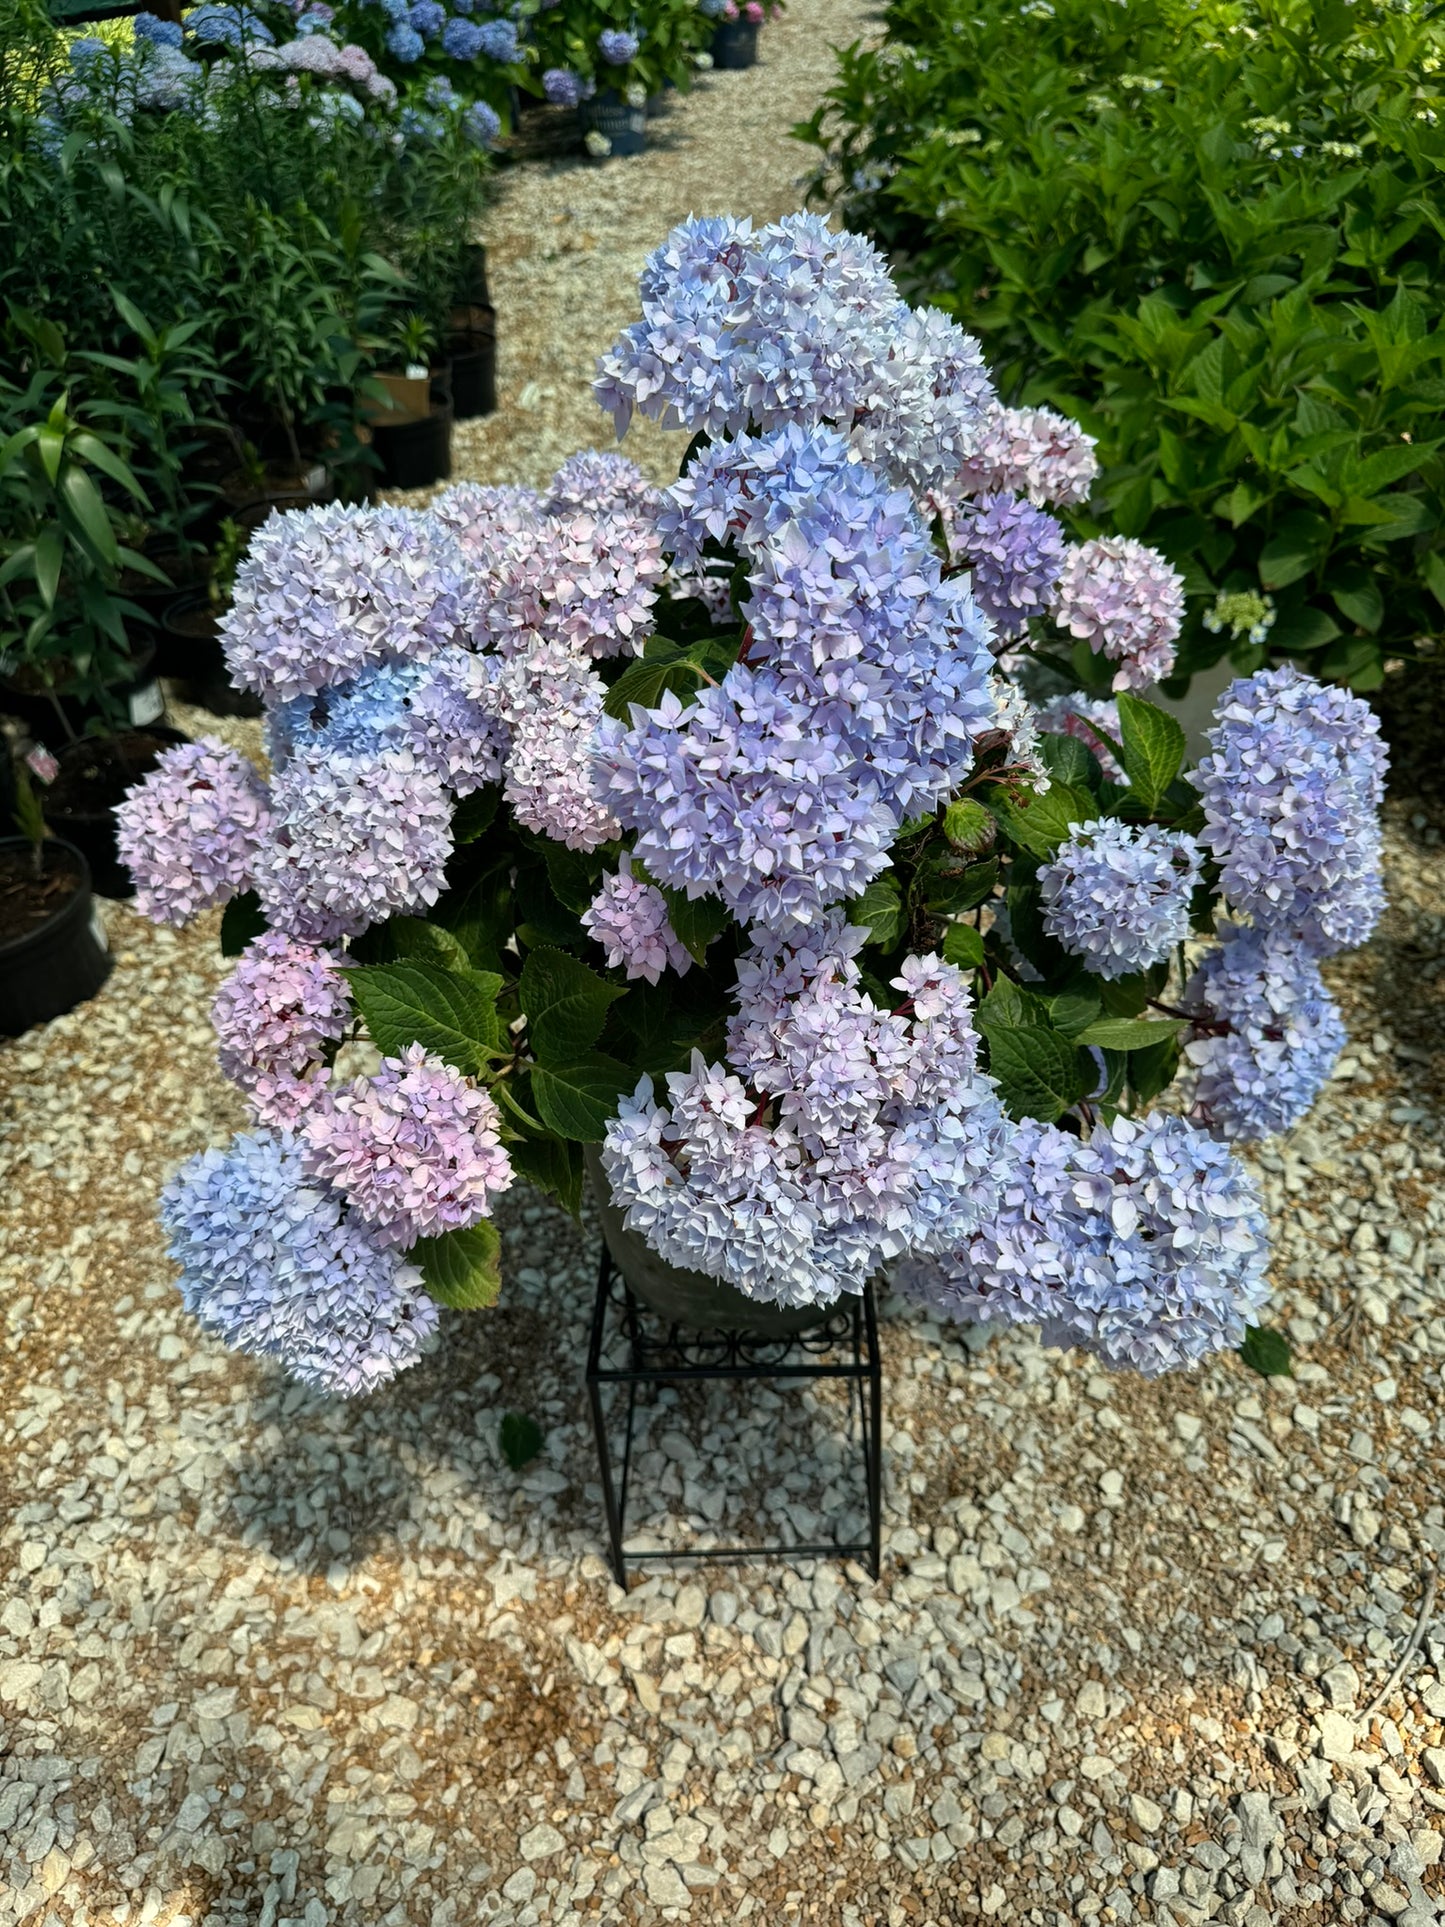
[
  {"x": 1266, "y": 1036},
  {"x": 551, "y": 704},
  {"x": 1145, "y": 1244},
  {"x": 481, "y": 124},
  {"x": 1032, "y": 452},
  {"x": 324, "y": 592},
  {"x": 274, "y": 1266},
  {"x": 438, "y": 711},
  {"x": 1124, "y": 599},
  {"x": 461, "y": 39},
  {"x": 563, "y": 87},
  {"x": 1015, "y": 554},
  {"x": 1292, "y": 790},
  {"x": 273, "y": 1017},
  {"x": 628, "y": 917},
  {"x": 617, "y": 48},
  {"x": 191, "y": 831},
  {"x": 499, "y": 41},
  {"x": 415, "y": 1149},
  {"x": 358, "y": 838},
  {"x": 601, "y": 483},
  {"x": 1117, "y": 894}
]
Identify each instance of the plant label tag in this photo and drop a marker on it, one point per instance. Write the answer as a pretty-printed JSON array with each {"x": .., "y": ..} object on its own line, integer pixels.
[
  {"x": 147, "y": 704},
  {"x": 42, "y": 764},
  {"x": 315, "y": 479},
  {"x": 97, "y": 930}
]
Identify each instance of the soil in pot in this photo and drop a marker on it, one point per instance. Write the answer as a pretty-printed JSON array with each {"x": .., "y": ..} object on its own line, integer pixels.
[
  {"x": 94, "y": 776},
  {"x": 53, "y": 953},
  {"x": 139, "y": 699}
]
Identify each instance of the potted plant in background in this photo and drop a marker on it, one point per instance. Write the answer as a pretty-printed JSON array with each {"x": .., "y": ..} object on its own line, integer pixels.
[
  {"x": 705, "y": 844},
  {"x": 411, "y": 429},
  {"x": 53, "y": 953},
  {"x": 735, "y": 37}
]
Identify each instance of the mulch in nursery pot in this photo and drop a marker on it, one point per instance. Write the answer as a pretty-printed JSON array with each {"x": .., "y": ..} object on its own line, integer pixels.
[
  {"x": 53, "y": 953},
  {"x": 94, "y": 776},
  {"x": 735, "y": 45}
]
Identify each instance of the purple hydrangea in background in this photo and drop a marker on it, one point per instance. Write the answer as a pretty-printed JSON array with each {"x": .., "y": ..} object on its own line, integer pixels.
[
  {"x": 1292, "y": 789},
  {"x": 1117, "y": 894},
  {"x": 274, "y": 1016},
  {"x": 1014, "y": 553},
  {"x": 405, "y": 44},
  {"x": 427, "y": 17},
  {"x": 562, "y": 87},
  {"x": 616, "y": 47},
  {"x": 191, "y": 831},
  {"x": 1266, "y": 1036},
  {"x": 358, "y": 838},
  {"x": 273, "y": 1265},
  {"x": 499, "y": 41},
  {"x": 415, "y": 1149},
  {"x": 1144, "y": 1244},
  {"x": 628, "y": 917},
  {"x": 481, "y": 124},
  {"x": 323, "y": 593},
  {"x": 601, "y": 483},
  {"x": 461, "y": 39},
  {"x": 1125, "y": 600},
  {"x": 1032, "y": 452}
]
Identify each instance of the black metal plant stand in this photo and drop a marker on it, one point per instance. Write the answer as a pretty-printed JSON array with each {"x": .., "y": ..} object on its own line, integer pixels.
[{"x": 845, "y": 1347}]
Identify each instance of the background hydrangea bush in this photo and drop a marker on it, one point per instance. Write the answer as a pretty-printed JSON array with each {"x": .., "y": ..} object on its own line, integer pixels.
[{"x": 713, "y": 827}]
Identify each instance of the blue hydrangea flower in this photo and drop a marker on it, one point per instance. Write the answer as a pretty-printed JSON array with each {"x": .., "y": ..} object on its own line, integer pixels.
[
  {"x": 405, "y": 44},
  {"x": 498, "y": 41},
  {"x": 274, "y": 1265},
  {"x": 481, "y": 124},
  {"x": 161, "y": 33},
  {"x": 617, "y": 47},
  {"x": 1292, "y": 790},
  {"x": 439, "y": 91},
  {"x": 227, "y": 26},
  {"x": 562, "y": 87},
  {"x": 1117, "y": 894},
  {"x": 462, "y": 39},
  {"x": 1014, "y": 552},
  {"x": 427, "y": 17},
  {"x": 1266, "y": 1036}
]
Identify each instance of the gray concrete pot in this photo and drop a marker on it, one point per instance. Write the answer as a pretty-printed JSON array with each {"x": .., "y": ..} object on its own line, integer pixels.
[{"x": 687, "y": 1297}]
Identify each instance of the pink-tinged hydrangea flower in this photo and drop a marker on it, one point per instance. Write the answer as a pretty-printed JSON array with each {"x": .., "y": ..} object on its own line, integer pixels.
[
  {"x": 838, "y": 1135},
  {"x": 628, "y": 917},
  {"x": 357, "y": 838},
  {"x": 415, "y": 1149},
  {"x": 1085, "y": 717},
  {"x": 601, "y": 483},
  {"x": 1117, "y": 894},
  {"x": 1292, "y": 790},
  {"x": 324, "y": 593},
  {"x": 274, "y": 1016},
  {"x": 1014, "y": 554},
  {"x": 551, "y": 704},
  {"x": 603, "y": 573},
  {"x": 1266, "y": 1034},
  {"x": 1145, "y": 1244},
  {"x": 1125, "y": 600},
  {"x": 481, "y": 517},
  {"x": 1032, "y": 452},
  {"x": 191, "y": 830},
  {"x": 273, "y": 1265}
]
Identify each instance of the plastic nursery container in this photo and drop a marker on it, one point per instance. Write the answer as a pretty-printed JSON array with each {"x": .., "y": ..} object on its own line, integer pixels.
[
  {"x": 688, "y": 1297},
  {"x": 474, "y": 373},
  {"x": 193, "y": 655},
  {"x": 94, "y": 776},
  {"x": 418, "y": 452},
  {"x": 55, "y": 963},
  {"x": 140, "y": 697},
  {"x": 735, "y": 45},
  {"x": 608, "y": 114}
]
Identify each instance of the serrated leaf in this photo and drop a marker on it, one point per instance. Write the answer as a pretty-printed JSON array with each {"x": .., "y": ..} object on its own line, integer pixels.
[
  {"x": 241, "y": 920},
  {"x": 416, "y": 939},
  {"x": 462, "y": 1269},
  {"x": 552, "y": 1164},
  {"x": 521, "y": 1439},
  {"x": 475, "y": 814},
  {"x": 696, "y": 921},
  {"x": 879, "y": 911},
  {"x": 1042, "y": 823},
  {"x": 565, "y": 1004},
  {"x": 1074, "y": 1010},
  {"x": 962, "y": 946},
  {"x": 951, "y": 895},
  {"x": 422, "y": 1003},
  {"x": 1267, "y": 1352},
  {"x": 578, "y": 1098},
  {"x": 1039, "y": 1071},
  {"x": 1152, "y": 742},
  {"x": 1069, "y": 761},
  {"x": 1130, "y": 1033},
  {"x": 644, "y": 683}
]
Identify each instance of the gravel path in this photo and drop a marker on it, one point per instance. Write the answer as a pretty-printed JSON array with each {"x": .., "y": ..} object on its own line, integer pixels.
[{"x": 271, "y": 1662}]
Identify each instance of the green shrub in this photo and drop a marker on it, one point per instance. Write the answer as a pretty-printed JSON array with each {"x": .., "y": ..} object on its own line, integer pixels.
[{"x": 1214, "y": 235}]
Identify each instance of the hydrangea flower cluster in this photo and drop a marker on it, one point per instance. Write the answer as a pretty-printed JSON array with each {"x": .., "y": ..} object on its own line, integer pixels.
[
  {"x": 416, "y": 1148},
  {"x": 563, "y": 87},
  {"x": 1125, "y": 601},
  {"x": 191, "y": 832},
  {"x": 837, "y": 1135},
  {"x": 617, "y": 47},
  {"x": 1292, "y": 789},
  {"x": 274, "y": 1017},
  {"x": 1266, "y": 1035},
  {"x": 1144, "y": 1243},
  {"x": 1015, "y": 553},
  {"x": 1117, "y": 894},
  {"x": 274, "y": 1265},
  {"x": 1031, "y": 452},
  {"x": 1093, "y": 720},
  {"x": 628, "y": 917}
]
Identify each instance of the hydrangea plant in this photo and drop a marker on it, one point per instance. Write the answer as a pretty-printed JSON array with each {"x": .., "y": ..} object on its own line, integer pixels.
[{"x": 712, "y": 827}]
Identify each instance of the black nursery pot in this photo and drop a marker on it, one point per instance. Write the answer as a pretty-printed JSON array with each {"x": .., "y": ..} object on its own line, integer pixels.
[
  {"x": 140, "y": 697},
  {"x": 474, "y": 374},
  {"x": 415, "y": 454},
  {"x": 608, "y": 113},
  {"x": 56, "y": 964},
  {"x": 197, "y": 660},
  {"x": 735, "y": 45},
  {"x": 94, "y": 776}
]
